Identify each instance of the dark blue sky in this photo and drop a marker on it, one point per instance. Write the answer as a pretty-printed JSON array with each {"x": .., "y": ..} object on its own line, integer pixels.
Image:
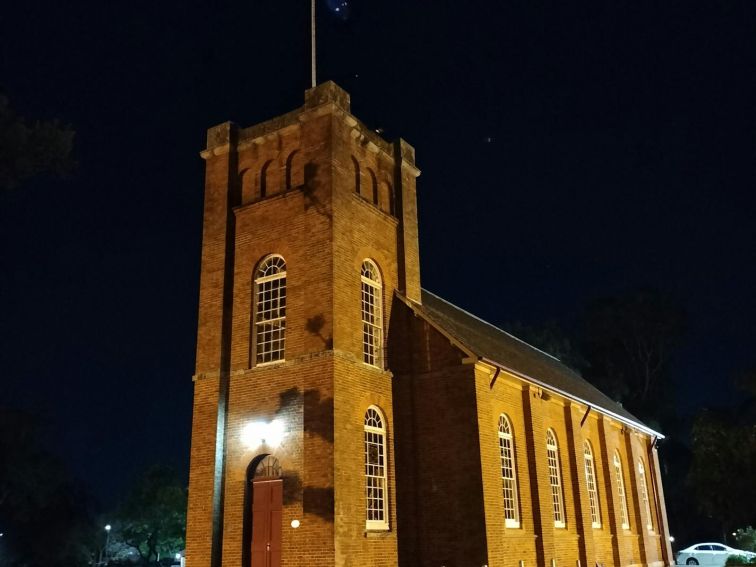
[{"x": 568, "y": 149}]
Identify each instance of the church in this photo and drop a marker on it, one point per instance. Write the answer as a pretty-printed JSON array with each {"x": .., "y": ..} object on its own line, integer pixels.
[{"x": 344, "y": 416}]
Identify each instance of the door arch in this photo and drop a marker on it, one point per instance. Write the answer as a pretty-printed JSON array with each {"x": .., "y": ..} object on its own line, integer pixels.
[{"x": 263, "y": 505}]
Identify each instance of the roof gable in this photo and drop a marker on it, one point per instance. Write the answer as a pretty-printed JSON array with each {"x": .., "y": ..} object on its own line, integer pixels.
[{"x": 507, "y": 351}]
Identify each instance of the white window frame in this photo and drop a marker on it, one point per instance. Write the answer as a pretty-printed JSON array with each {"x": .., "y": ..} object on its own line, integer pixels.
[
  {"x": 644, "y": 496},
  {"x": 590, "y": 481},
  {"x": 371, "y": 308},
  {"x": 620, "y": 480},
  {"x": 269, "y": 311},
  {"x": 508, "y": 473},
  {"x": 376, "y": 473},
  {"x": 555, "y": 479}
]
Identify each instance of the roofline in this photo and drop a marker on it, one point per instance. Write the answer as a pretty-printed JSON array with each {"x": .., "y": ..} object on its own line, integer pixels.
[
  {"x": 573, "y": 397},
  {"x": 414, "y": 307},
  {"x": 518, "y": 339}
]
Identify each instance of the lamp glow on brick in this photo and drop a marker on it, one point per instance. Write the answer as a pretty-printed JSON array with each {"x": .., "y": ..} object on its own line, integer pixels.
[{"x": 260, "y": 433}]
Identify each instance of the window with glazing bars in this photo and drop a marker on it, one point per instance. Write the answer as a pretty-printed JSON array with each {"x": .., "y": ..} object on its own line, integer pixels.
[
  {"x": 621, "y": 492},
  {"x": 555, "y": 478},
  {"x": 644, "y": 496},
  {"x": 508, "y": 474},
  {"x": 270, "y": 310},
  {"x": 376, "y": 496},
  {"x": 372, "y": 320},
  {"x": 590, "y": 480}
]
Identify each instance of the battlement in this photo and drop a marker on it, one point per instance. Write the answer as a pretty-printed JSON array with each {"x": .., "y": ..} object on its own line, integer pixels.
[{"x": 326, "y": 96}]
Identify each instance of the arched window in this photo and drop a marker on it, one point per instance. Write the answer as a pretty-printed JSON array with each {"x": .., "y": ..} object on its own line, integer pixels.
[
  {"x": 270, "y": 310},
  {"x": 644, "y": 495},
  {"x": 376, "y": 487},
  {"x": 590, "y": 480},
  {"x": 619, "y": 479},
  {"x": 508, "y": 473},
  {"x": 372, "y": 316},
  {"x": 555, "y": 478}
]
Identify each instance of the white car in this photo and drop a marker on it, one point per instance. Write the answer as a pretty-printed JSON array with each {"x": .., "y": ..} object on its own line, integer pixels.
[{"x": 709, "y": 554}]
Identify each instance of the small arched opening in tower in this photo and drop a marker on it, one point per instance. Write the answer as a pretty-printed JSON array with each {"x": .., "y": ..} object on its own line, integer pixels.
[
  {"x": 294, "y": 170},
  {"x": 373, "y": 187},
  {"x": 386, "y": 201},
  {"x": 247, "y": 181},
  {"x": 264, "y": 175},
  {"x": 356, "y": 169}
]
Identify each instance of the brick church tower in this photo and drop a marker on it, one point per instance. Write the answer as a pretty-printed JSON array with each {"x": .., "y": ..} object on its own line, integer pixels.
[
  {"x": 310, "y": 225},
  {"x": 345, "y": 417}
]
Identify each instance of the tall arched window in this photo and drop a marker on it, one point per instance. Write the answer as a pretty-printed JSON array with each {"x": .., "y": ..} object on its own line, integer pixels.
[
  {"x": 376, "y": 487},
  {"x": 270, "y": 310},
  {"x": 590, "y": 480},
  {"x": 508, "y": 473},
  {"x": 644, "y": 495},
  {"x": 555, "y": 478},
  {"x": 372, "y": 316},
  {"x": 620, "y": 480}
]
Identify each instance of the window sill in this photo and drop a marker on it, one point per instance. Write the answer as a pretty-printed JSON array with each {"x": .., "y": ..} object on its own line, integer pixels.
[
  {"x": 560, "y": 525},
  {"x": 511, "y": 524},
  {"x": 596, "y": 525},
  {"x": 271, "y": 363},
  {"x": 377, "y": 531}
]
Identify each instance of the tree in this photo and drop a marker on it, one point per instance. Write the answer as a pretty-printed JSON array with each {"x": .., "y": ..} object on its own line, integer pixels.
[
  {"x": 629, "y": 341},
  {"x": 721, "y": 475},
  {"x": 549, "y": 337},
  {"x": 29, "y": 150},
  {"x": 152, "y": 518},
  {"x": 724, "y": 458},
  {"x": 38, "y": 499}
]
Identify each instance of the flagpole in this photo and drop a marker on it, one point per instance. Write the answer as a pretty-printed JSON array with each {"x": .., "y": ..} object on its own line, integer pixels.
[{"x": 312, "y": 40}]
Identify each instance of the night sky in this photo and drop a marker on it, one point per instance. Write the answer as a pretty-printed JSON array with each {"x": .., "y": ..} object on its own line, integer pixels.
[{"x": 569, "y": 150}]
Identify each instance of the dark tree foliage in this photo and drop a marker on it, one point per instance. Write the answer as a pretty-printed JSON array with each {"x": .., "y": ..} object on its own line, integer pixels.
[
  {"x": 724, "y": 460},
  {"x": 629, "y": 341},
  {"x": 45, "y": 517},
  {"x": 549, "y": 337},
  {"x": 152, "y": 518},
  {"x": 27, "y": 150}
]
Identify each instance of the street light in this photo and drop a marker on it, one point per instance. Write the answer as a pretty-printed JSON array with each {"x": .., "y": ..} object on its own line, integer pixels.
[{"x": 107, "y": 543}]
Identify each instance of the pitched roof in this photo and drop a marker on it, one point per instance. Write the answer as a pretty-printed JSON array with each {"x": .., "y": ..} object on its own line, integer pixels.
[{"x": 512, "y": 354}]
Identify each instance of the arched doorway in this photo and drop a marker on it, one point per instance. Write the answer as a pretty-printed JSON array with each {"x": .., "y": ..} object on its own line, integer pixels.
[{"x": 264, "y": 508}]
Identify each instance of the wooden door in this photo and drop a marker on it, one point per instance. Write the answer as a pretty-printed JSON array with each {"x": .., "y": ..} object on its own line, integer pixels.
[{"x": 267, "y": 503}]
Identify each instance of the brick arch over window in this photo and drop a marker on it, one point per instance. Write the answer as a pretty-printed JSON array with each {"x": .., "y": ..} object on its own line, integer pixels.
[
  {"x": 555, "y": 478},
  {"x": 376, "y": 470},
  {"x": 294, "y": 170},
  {"x": 508, "y": 473},
  {"x": 371, "y": 304},
  {"x": 269, "y": 310}
]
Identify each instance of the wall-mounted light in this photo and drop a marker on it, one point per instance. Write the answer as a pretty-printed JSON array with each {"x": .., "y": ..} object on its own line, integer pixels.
[
  {"x": 295, "y": 524},
  {"x": 260, "y": 433}
]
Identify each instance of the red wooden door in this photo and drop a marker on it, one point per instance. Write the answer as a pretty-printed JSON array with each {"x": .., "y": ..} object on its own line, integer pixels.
[{"x": 267, "y": 502}]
